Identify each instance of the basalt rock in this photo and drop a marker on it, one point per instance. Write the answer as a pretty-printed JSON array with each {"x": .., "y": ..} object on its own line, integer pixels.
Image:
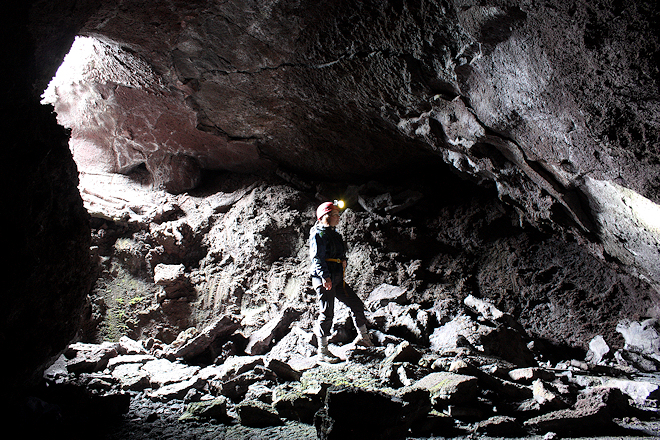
[{"x": 552, "y": 109}]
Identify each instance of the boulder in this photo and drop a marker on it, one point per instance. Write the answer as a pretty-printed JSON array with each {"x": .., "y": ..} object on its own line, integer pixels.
[
  {"x": 236, "y": 387},
  {"x": 173, "y": 279},
  {"x": 128, "y": 346},
  {"x": 501, "y": 341},
  {"x": 407, "y": 321},
  {"x": 235, "y": 366},
  {"x": 445, "y": 388},
  {"x": 546, "y": 396},
  {"x": 296, "y": 349},
  {"x": 84, "y": 357},
  {"x": 384, "y": 294},
  {"x": 163, "y": 372},
  {"x": 262, "y": 391},
  {"x": 131, "y": 376},
  {"x": 256, "y": 414},
  {"x": 283, "y": 370},
  {"x": 530, "y": 374},
  {"x": 641, "y": 337},
  {"x": 177, "y": 390},
  {"x": 598, "y": 348},
  {"x": 220, "y": 327},
  {"x": 592, "y": 414},
  {"x": 204, "y": 410},
  {"x": 500, "y": 426},
  {"x": 641, "y": 391},
  {"x": 260, "y": 341},
  {"x": 294, "y": 404},
  {"x": 352, "y": 413}
]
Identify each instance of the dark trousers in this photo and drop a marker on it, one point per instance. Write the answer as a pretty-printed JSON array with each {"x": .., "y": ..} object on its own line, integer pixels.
[{"x": 326, "y": 299}]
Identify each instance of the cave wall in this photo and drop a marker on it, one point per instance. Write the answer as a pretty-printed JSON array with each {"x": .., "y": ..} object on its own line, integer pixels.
[
  {"x": 47, "y": 271},
  {"x": 556, "y": 104}
]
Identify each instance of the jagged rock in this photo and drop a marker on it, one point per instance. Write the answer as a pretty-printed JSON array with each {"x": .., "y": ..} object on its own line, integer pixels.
[
  {"x": 503, "y": 388},
  {"x": 221, "y": 327},
  {"x": 546, "y": 397},
  {"x": 261, "y": 391},
  {"x": 131, "y": 376},
  {"x": 484, "y": 308},
  {"x": 397, "y": 356},
  {"x": 448, "y": 335},
  {"x": 500, "y": 341},
  {"x": 294, "y": 404},
  {"x": 407, "y": 373},
  {"x": 296, "y": 349},
  {"x": 236, "y": 387},
  {"x": 207, "y": 409},
  {"x": 384, "y": 294},
  {"x": 89, "y": 357},
  {"x": 445, "y": 388},
  {"x": 530, "y": 374},
  {"x": 598, "y": 348},
  {"x": 637, "y": 361},
  {"x": 128, "y": 346},
  {"x": 184, "y": 337},
  {"x": 233, "y": 366},
  {"x": 257, "y": 414},
  {"x": 173, "y": 279},
  {"x": 58, "y": 369},
  {"x": 177, "y": 390},
  {"x": 356, "y": 413},
  {"x": 641, "y": 337},
  {"x": 407, "y": 321},
  {"x": 592, "y": 414},
  {"x": 640, "y": 390},
  {"x": 283, "y": 370},
  {"x": 99, "y": 382},
  {"x": 500, "y": 426},
  {"x": 260, "y": 341},
  {"x": 163, "y": 372},
  {"x": 403, "y": 352},
  {"x": 139, "y": 359}
]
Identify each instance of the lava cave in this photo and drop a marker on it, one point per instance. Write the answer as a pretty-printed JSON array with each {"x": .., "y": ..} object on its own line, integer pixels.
[{"x": 500, "y": 162}]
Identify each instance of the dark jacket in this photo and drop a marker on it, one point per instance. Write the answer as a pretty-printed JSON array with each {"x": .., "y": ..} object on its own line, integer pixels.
[{"x": 325, "y": 242}]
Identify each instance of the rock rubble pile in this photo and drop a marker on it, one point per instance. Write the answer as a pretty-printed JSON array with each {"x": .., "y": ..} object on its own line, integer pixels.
[{"x": 478, "y": 373}]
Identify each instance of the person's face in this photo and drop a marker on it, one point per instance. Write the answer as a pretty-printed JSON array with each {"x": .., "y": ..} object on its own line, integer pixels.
[{"x": 332, "y": 218}]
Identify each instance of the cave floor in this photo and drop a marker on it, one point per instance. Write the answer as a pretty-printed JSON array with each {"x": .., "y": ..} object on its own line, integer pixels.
[{"x": 149, "y": 420}]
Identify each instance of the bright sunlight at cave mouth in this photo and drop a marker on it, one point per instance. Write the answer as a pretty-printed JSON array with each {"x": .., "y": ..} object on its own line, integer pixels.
[
  {"x": 79, "y": 95},
  {"x": 73, "y": 67}
]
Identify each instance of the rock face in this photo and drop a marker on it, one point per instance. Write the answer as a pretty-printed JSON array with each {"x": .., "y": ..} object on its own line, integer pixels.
[
  {"x": 555, "y": 106},
  {"x": 325, "y": 89},
  {"x": 47, "y": 270}
]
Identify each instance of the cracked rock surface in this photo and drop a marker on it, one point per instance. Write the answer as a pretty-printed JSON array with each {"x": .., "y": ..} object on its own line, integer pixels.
[{"x": 555, "y": 104}]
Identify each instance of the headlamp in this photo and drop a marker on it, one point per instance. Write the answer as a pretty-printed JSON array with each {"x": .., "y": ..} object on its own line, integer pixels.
[{"x": 339, "y": 204}]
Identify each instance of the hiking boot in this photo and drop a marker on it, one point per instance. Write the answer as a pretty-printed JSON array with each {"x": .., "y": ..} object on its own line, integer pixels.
[
  {"x": 363, "y": 338},
  {"x": 326, "y": 355}
]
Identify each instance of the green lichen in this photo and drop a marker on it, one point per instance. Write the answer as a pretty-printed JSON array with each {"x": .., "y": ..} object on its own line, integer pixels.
[{"x": 125, "y": 296}]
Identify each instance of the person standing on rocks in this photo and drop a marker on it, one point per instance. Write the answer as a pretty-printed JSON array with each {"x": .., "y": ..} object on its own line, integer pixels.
[{"x": 328, "y": 254}]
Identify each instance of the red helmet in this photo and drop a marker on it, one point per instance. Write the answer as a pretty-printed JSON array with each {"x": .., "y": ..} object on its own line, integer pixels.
[{"x": 325, "y": 208}]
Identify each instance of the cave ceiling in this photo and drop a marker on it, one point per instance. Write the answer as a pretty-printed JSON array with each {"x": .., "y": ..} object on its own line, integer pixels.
[{"x": 554, "y": 104}]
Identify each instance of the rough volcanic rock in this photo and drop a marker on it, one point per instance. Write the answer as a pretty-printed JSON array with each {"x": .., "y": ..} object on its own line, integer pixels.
[
  {"x": 494, "y": 90},
  {"x": 554, "y": 105}
]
